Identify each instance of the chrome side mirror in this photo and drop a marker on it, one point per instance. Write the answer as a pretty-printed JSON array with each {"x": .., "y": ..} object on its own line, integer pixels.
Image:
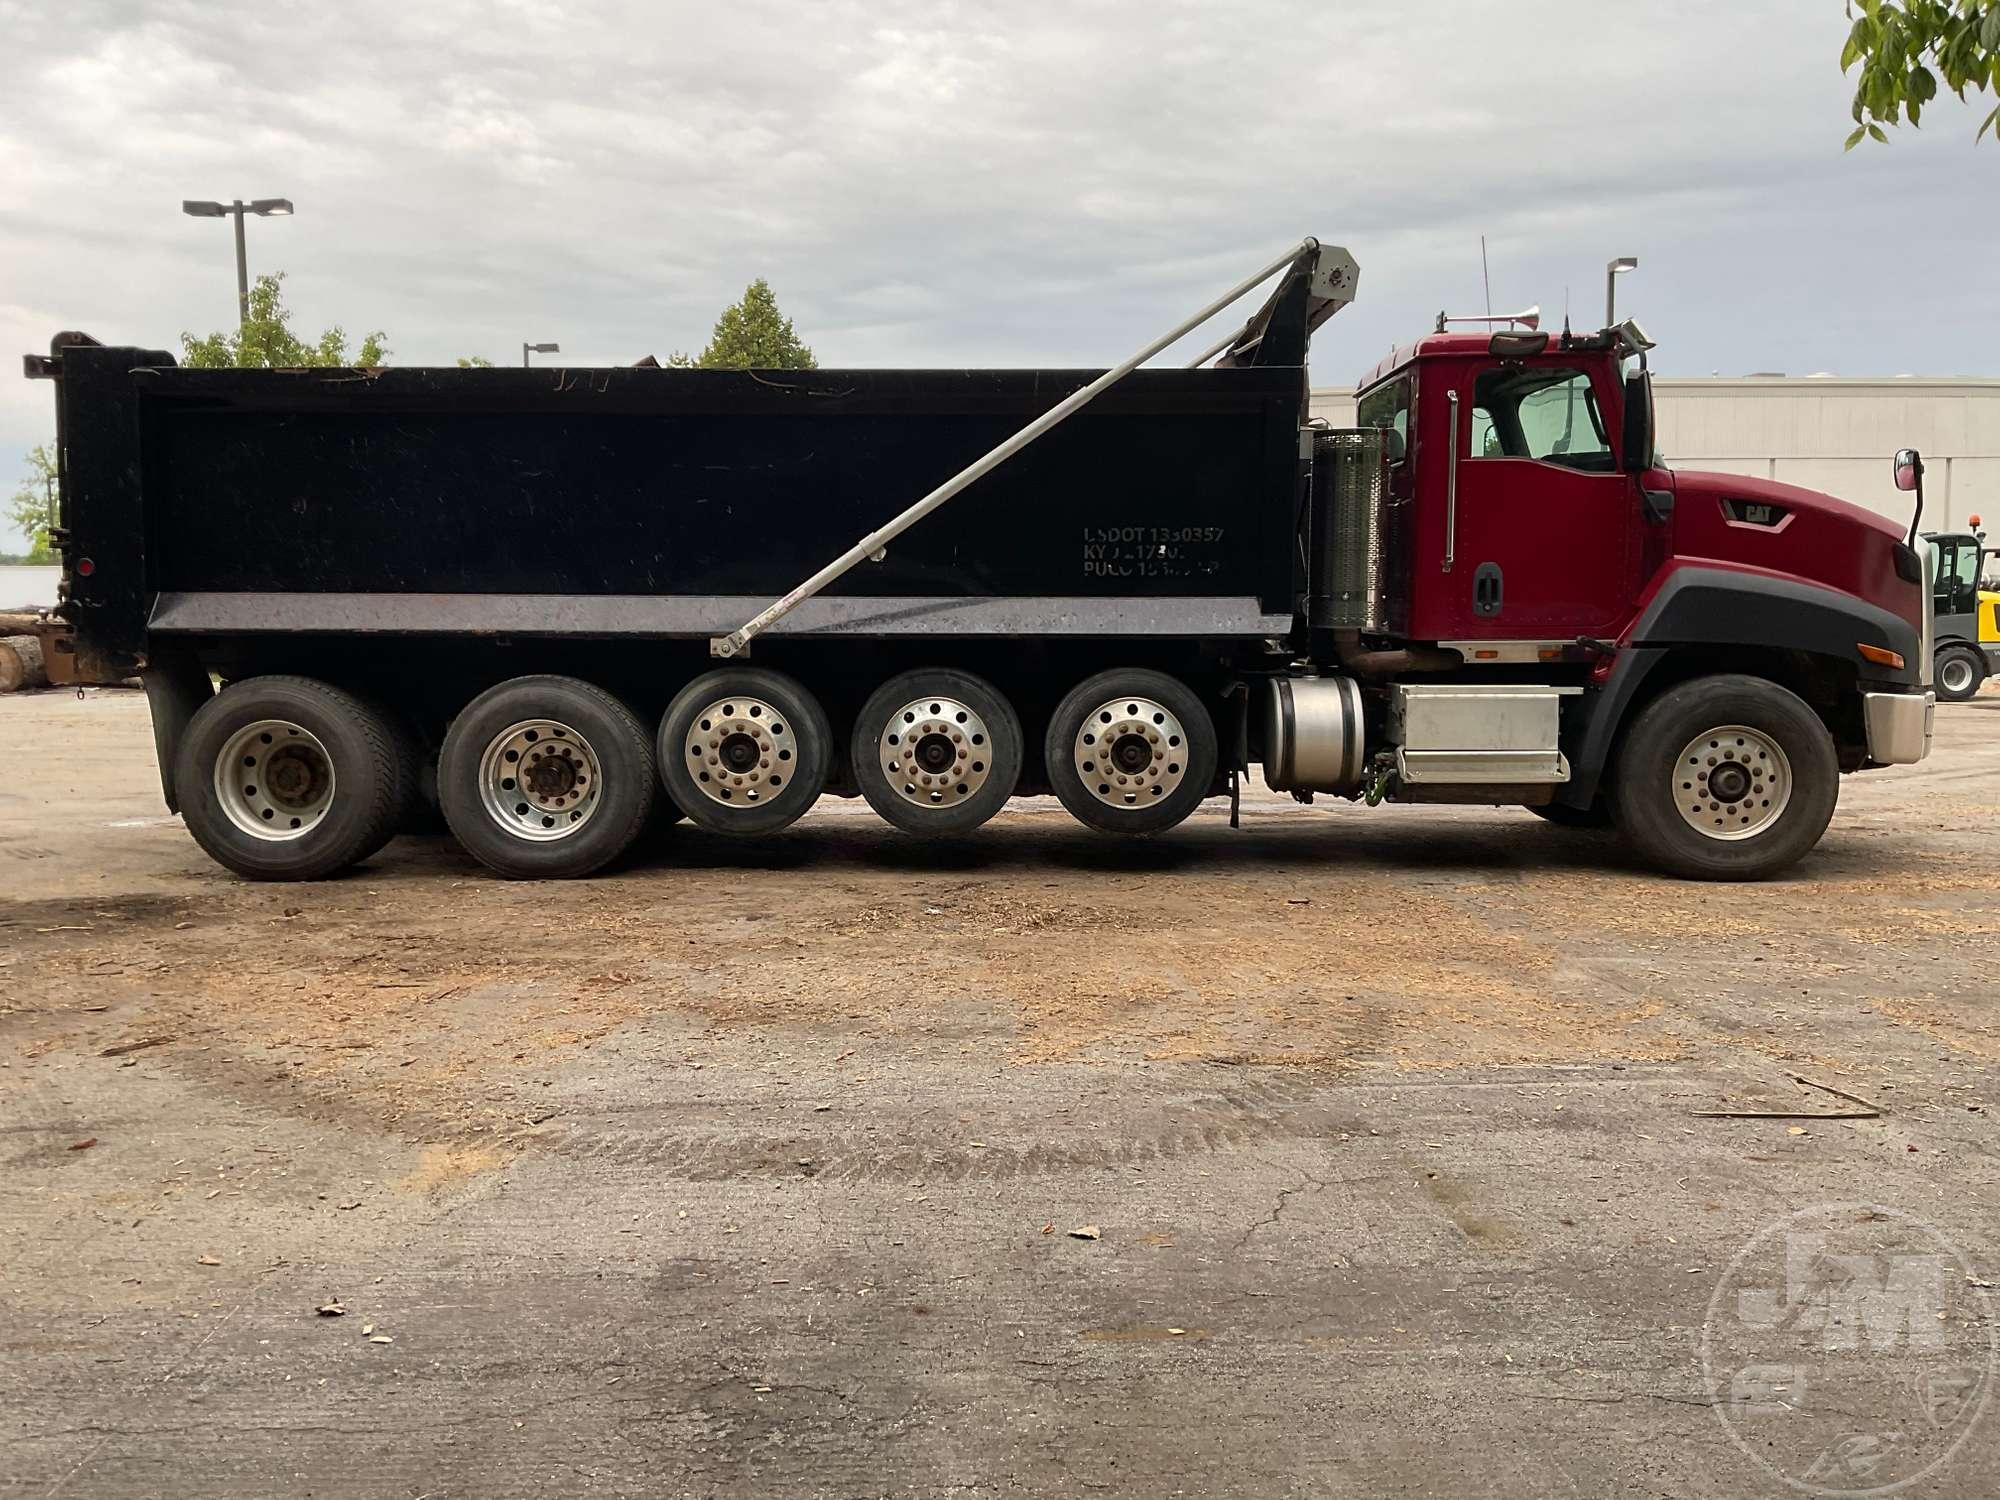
[{"x": 1909, "y": 468}]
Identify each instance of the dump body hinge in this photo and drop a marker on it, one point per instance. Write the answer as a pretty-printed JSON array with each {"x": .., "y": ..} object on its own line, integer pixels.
[{"x": 49, "y": 366}]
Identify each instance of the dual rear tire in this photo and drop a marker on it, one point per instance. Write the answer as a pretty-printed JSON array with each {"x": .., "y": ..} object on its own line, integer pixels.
[
  {"x": 1128, "y": 751},
  {"x": 288, "y": 778},
  {"x": 937, "y": 751},
  {"x": 545, "y": 778},
  {"x": 1131, "y": 751},
  {"x": 744, "y": 750},
  {"x": 548, "y": 777}
]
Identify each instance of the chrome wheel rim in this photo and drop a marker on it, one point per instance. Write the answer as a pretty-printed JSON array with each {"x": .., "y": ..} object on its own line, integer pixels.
[
  {"x": 1130, "y": 752},
  {"x": 1956, "y": 676},
  {"x": 540, "y": 780},
  {"x": 1731, "y": 783},
  {"x": 935, "y": 752},
  {"x": 740, "y": 752},
  {"x": 274, "y": 780}
]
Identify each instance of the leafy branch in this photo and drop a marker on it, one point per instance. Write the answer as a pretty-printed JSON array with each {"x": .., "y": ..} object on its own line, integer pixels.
[{"x": 1905, "y": 47}]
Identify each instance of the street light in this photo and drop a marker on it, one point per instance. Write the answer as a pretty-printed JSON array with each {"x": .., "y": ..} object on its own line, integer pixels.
[
  {"x": 1612, "y": 270},
  {"x": 527, "y": 349},
  {"x": 263, "y": 208}
]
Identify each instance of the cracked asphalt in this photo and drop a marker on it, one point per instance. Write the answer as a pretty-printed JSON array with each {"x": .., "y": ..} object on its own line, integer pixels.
[{"x": 1422, "y": 1151}]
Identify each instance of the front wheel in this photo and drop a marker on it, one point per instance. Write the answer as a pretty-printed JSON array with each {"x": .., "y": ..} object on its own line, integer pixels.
[
  {"x": 1959, "y": 671},
  {"x": 1726, "y": 778}
]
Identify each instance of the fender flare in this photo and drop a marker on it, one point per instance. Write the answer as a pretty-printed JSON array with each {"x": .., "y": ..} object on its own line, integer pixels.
[{"x": 1724, "y": 607}]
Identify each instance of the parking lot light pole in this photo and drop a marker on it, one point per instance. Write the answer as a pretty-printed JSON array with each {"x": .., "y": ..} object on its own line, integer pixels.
[
  {"x": 1612, "y": 271},
  {"x": 263, "y": 208},
  {"x": 527, "y": 349}
]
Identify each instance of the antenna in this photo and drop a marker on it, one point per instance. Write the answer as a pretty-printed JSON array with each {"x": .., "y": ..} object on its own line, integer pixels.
[{"x": 1485, "y": 280}]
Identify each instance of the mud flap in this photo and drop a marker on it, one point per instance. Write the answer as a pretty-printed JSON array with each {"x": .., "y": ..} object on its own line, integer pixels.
[{"x": 176, "y": 686}]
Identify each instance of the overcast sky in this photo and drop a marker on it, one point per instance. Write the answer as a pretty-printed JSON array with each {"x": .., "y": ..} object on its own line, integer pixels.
[{"x": 941, "y": 184}]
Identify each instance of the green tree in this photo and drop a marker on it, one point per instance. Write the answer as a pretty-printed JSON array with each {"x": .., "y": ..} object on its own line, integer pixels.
[
  {"x": 33, "y": 508},
  {"x": 1905, "y": 46},
  {"x": 474, "y": 362},
  {"x": 266, "y": 340},
  {"x": 751, "y": 335}
]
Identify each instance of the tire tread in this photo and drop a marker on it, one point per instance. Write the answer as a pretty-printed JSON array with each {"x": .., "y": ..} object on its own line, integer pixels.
[
  {"x": 394, "y": 778},
  {"x": 1655, "y": 828},
  {"x": 521, "y": 863}
]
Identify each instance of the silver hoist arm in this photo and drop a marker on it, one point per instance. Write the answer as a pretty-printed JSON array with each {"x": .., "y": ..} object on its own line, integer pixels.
[{"x": 1334, "y": 275}]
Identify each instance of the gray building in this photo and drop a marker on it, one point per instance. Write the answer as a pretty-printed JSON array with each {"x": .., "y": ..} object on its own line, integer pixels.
[{"x": 1833, "y": 434}]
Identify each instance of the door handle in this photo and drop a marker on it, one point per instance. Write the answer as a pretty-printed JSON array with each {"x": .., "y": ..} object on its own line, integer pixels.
[
  {"x": 1451, "y": 488},
  {"x": 1486, "y": 585}
]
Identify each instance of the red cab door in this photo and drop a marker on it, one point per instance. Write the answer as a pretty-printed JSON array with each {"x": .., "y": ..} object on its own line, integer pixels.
[{"x": 1542, "y": 533}]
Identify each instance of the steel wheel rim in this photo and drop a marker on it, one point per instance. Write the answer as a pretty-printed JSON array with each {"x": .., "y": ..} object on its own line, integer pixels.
[
  {"x": 1956, "y": 676},
  {"x": 1130, "y": 752},
  {"x": 274, "y": 780},
  {"x": 935, "y": 752},
  {"x": 540, "y": 780},
  {"x": 1731, "y": 783},
  {"x": 740, "y": 752}
]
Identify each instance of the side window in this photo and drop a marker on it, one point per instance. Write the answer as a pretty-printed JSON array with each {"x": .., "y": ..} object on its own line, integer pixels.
[
  {"x": 1485, "y": 442},
  {"x": 1388, "y": 406},
  {"x": 1968, "y": 565},
  {"x": 1961, "y": 587},
  {"x": 1539, "y": 413}
]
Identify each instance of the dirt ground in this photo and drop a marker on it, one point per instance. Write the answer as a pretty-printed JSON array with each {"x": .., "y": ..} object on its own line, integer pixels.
[{"x": 752, "y": 1170}]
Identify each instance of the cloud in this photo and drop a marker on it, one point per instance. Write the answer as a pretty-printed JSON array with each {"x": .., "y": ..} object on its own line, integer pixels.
[{"x": 942, "y": 183}]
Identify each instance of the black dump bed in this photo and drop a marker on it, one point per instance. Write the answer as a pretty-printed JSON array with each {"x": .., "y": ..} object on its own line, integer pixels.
[{"x": 669, "y": 503}]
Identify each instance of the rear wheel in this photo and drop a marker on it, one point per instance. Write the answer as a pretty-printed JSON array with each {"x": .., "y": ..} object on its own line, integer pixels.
[
  {"x": 744, "y": 750},
  {"x": 1726, "y": 778},
  {"x": 546, "y": 778},
  {"x": 1130, "y": 751},
  {"x": 287, "y": 778},
  {"x": 1958, "y": 673},
  {"x": 937, "y": 751}
]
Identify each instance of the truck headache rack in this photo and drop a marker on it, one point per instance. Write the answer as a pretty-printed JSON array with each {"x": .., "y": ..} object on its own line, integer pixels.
[{"x": 1324, "y": 275}]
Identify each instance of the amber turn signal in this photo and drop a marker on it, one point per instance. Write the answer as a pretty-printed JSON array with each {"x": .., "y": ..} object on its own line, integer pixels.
[{"x": 1882, "y": 656}]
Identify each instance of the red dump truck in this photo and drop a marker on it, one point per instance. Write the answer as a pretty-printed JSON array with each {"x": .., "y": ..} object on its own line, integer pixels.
[{"x": 562, "y": 603}]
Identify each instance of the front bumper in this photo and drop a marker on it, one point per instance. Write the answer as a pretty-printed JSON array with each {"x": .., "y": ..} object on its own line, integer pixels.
[{"x": 1899, "y": 726}]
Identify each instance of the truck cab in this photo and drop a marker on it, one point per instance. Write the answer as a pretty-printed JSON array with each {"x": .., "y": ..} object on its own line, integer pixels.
[
  {"x": 1554, "y": 518},
  {"x": 1543, "y": 536},
  {"x": 1540, "y": 537}
]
